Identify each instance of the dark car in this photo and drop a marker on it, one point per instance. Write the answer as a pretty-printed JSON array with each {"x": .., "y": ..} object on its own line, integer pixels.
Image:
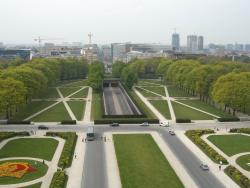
[
  {"x": 43, "y": 127},
  {"x": 145, "y": 124},
  {"x": 114, "y": 124}
]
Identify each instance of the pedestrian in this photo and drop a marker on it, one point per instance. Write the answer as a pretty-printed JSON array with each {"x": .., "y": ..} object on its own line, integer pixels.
[
  {"x": 43, "y": 161},
  {"x": 82, "y": 139},
  {"x": 75, "y": 156},
  {"x": 219, "y": 167}
]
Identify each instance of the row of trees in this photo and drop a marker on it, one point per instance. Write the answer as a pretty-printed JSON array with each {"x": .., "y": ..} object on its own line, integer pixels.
[
  {"x": 19, "y": 84},
  {"x": 96, "y": 75}
]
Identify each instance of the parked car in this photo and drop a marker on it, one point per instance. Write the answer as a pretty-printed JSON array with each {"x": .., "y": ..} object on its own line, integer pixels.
[
  {"x": 171, "y": 132},
  {"x": 114, "y": 124},
  {"x": 204, "y": 167},
  {"x": 43, "y": 127},
  {"x": 164, "y": 124},
  {"x": 145, "y": 124}
]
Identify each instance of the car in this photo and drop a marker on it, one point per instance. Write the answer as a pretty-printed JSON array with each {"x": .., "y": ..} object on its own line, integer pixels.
[
  {"x": 145, "y": 124},
  {"x": 43, "y": 127},
  {"x": 204, "y": 167},
  {"x": 114, "y": 124},
  {"x": 171, "y": 132},
  {"x": 164, "y": 124}
]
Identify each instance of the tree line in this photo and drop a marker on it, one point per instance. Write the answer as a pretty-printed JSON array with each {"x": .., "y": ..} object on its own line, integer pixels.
[
  {"x": 19, "y": 84},
  {"x": 214, "y": 81}
]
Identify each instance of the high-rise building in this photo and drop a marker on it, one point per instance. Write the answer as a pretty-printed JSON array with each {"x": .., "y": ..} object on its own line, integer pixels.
[
  {"x": 200, "y": 43},
  {"x": 192, "y": 45},
  {"x": 175, "y": 41},
  {"x": 247, "y": 47}
]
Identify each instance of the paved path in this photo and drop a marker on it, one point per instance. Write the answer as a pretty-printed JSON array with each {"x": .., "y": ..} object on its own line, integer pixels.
[{"x": 173, "y": 118}]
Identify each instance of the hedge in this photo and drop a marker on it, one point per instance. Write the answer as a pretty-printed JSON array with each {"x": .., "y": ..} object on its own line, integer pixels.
[
  {"x": 71, "y": 122},
  {"x": 125, "y": 121},
  {"x": 68, "y": 149},
  {"x": 18, "y": 122},
  {"x": 228, "y": 119},
  {"x": 237, "y": 176},
  {"x": 240, "y": 130},
  {"x": 183, "y": 120},
  {"x": 124, "y": 116},
  {"x": 195, "y": 137},
  {"x": 6, "y": 135},
  {"x": 59, "y": 180}
]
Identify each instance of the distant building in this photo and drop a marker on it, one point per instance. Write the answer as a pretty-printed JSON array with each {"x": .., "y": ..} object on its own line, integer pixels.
[
  {"x": 247, "y": 47},
  {"x": 200, "y": 43},
  {"x": 1, "y": 46},
  {"x": 119, "y": 51},
  {"x": 90, "y": 52},
  {"x": 175, "y": 41},
  {"x": 13, "y": 54},
  {"x": 192, "y": 43},
  {"x": 229, "y": 47},
  {"x": 238, "y": 47},
  {"x": 106, "y": 53}
]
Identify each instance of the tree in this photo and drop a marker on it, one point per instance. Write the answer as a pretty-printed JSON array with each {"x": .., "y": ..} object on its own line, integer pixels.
[
  {"x": 117, "y": 68},
  {"x": 129, "y": 77},
  {"x": 96, "y": 75}
]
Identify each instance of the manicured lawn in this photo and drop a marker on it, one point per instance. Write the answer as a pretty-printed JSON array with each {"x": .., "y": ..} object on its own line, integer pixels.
[
  {"x": 77, "y": 108},
  {"x": 55, "y": 114},
  {"x": 231, "y": 144},
  {"x": 49, "y": 93},
  {"x": 176, "y": 92},
  {"x": 162, "y": 107},
  {"x": 243, "y": 160},
  {"x": 81, "y": 94},
  {"x": 66, "y": 91},
  {"x": 146, "y": 93},
  {"x": 158, "y": 90},
  {"x": 96, "y": 109},
  {"x": 31, "y": 108},
  {"x": 143, "y": 165},
  {"x": 151, "y": 81},
  {"x": 206, "y": 107},
  {"x": 183, "y": 112},
  {"x": 43, "y": 148},
  {"x": 40, "y": 171},
  {"x": 37, "y": 185},
  {"x": 78, "y": 83}
]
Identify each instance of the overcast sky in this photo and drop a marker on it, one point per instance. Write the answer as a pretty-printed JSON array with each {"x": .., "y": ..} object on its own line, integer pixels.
[{"x": 219, "y": 21}]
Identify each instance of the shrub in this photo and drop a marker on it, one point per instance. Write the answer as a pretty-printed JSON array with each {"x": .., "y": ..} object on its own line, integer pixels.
[
  {"x": 71, "y": 122},
  {"x": 237, "y": 176},
  {"x": 228, "y": 119},
  {"x": 18, "y": 122},
  {"x": 59, "y": 180},
  {"x": 125, "y": 121},
  {"x": 68, "y": 149},
  {"x": 195, "y": 137},
  {"x": 240, "y": 130},
  {"x": 183, "y": 120}
]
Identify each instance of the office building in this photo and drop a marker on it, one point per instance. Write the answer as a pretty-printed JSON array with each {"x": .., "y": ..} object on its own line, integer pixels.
[
  {"x": 247, "y": 47},
  {"x": 200, "y": 43},
  {"x": 90, "y": 52},
  {"x": 175, "y": 42},
  {"x": 13, "y": 54},
  {"x": 192, "y": 43}
]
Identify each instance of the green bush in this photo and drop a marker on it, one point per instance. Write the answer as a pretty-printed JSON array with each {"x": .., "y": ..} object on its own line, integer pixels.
[
  {"x": 195, "y": 137},
  {"x": 237, "y": 176},
  {"x": 125, "y": 121},
  {"x": 228, "y": 119},
  {"x": 59, "y": 180},
  {"x": 183, "y": 120},
  {"x": 240, "y": 130},
  {"x": 6, "y": 135},
  {"x": 66, "y": 122},
  {"x": 18, "y": 122},
  {"x": 68, "y": 149}
]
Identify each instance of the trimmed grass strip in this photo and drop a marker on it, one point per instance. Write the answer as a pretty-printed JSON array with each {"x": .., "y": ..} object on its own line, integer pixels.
[
  {"x": 244, "y": 162},
  {"x": 146, "y": 93},
  {"x": 158, "y": 90},
  {"x": 77, "y": 108},
  {"x": 66, "y": 91},
  {"x": 173, "y": 91},
  {"x": 162, "y": 107},
  {"x": 49, "y": 93},
  {"x": 81, "y": 94}
]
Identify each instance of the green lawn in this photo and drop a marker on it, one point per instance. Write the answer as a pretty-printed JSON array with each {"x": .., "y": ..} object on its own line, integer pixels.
[
  {"x": 173, "y": 91},
  {"x": 74, "y": 83},
  {"x": 158, "y": 90},
  {"x": 77, "y": 108},
  {"x": 162, "y": 107},
  {"x": 55, "y": 114},
  {"x": 146, "y": 93},
  {"x": 151, "y": 81},
  {"x": 49, "y": 93},
  {"x": 243, "y": 160},
  {"x": 231, "y": 144},
  {"x": 31, "y": 108},
  {"x": 43, "y": 148},
  {"x": 183, "y": 112},
  {"x": 81, "y": 94},
  {"x": 206, "y": 107},
  {"x": 37, "y": 185},
  {"x": 66, "y": 91},
  {"x": 41, "y": 170},
  {"x": 143, "y": 165},
  {"x": 96, "y": 109}
]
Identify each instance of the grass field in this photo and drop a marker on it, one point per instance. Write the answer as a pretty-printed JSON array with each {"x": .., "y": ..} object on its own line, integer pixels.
[
  {"x": 243, "y": 160},
  {"x": 96, "y": 109},
  {"x": 66, "y": 91},
  {"x": 206, "y": 107},
  {"x": 231, "y": 144},
  {"x": 150, "y": 81},
  {"x": 158, "y": 90},
  {"x": 81, "y": 94},
  {"x": 183, "y": 112},
  {"x": 143, "y": 165},
  {"x": 41, "y": 170},
  {"x": 49, "y": 93},
  {"x": 146, "y": 93},
  {"x": 55, "y": 114},
  {"x": 77, "y": 108},
  {"x": 173, "y": 91},
  {"x": 43, "y": 148},
  {"x": 162, "y": 107},
  {"x": 31, "y": 108},
  {"x": 74, "y": 83}
]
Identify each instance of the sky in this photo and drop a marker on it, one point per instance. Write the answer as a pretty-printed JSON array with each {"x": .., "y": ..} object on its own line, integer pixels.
[{"x": 139, "y": 21}]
